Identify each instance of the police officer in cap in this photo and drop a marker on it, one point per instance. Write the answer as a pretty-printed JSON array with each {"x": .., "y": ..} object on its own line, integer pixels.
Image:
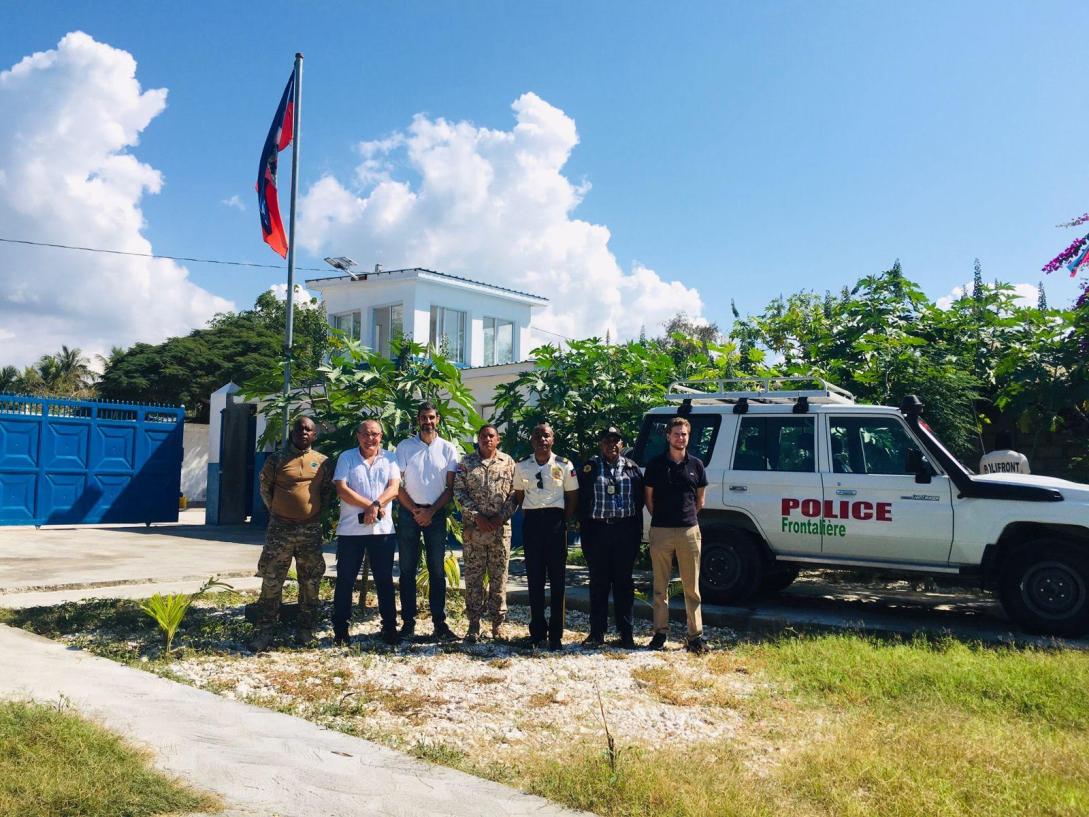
[{"x": 611, "y": 517}]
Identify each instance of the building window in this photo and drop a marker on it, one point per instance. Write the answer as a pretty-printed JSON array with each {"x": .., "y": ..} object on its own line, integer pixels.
[
  {"x": 498, "y": 341},
  {"x": 389, "y": 322},
  {"x": 448, "y": 332},
  {"x": 348, "y": 323}
]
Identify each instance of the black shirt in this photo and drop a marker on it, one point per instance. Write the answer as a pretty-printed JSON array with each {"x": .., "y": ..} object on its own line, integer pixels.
[{"x": 674, "y": 485}]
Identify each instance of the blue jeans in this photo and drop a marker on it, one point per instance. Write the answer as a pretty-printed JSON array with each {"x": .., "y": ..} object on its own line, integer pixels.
[
  {"x": 408, "y": 541},
  {"x": 350, "y": 550}
]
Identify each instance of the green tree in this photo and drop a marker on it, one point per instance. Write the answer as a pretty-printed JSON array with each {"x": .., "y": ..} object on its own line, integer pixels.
[
  {"x": 66, "y": 373},
  {"x": 9, "y": 380},
  {"x": 580, "y": 389},
  {"x": 877, "y": 340},
  {"x": 234, "y": 347},
  {"x": 358, "y": 383}
]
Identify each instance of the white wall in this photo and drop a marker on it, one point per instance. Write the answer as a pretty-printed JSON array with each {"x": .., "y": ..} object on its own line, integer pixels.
[
  {"x": 477, "y": 305},
  {"x": 417, "y": 292},
  {"x": 194, "y": 475}
]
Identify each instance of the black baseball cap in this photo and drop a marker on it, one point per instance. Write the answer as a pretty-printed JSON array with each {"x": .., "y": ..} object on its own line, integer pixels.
[{"x": 610, "y": 431}]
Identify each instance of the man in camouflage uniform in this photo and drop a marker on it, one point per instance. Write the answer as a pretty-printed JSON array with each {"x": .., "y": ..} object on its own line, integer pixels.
[
  {"x": 296, "y": 484},
  {"x": 483, "y": 486}
]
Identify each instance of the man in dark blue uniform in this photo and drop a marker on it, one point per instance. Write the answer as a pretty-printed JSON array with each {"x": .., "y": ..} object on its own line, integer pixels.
[{"x": 611, "y": 518}]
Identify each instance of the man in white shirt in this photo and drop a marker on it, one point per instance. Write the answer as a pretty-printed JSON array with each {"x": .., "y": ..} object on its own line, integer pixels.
[
  {"x": 548, "y": 490},
  {"x": 428, "y": 464},
  {"x": 1003, "y": 459},
  {"x": 366, "y": 480}
]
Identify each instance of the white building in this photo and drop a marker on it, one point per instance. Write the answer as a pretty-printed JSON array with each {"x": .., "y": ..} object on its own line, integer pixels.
[{"x": 485, "y": 328}]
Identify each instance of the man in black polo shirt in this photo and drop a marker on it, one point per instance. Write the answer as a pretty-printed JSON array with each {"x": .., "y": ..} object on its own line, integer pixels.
[{"x": 675, "y": 482}]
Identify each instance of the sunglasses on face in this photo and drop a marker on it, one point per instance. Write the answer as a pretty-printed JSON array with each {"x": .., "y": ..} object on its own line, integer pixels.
[{"x": 540, "y": 480}]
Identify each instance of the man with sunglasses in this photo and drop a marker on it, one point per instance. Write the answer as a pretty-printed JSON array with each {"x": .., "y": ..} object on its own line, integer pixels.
[{"x": 546, "y": 487}]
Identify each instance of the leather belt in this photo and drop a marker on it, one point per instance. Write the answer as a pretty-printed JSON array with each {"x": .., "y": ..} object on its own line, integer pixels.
[{"x": 615, "y": 520}]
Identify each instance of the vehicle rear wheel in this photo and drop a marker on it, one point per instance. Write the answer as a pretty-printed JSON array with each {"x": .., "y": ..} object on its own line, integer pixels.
[
  {"x": 1044, "y": 587},
  {"x": 777, "y": 580},
  {"x": 731, "y": 569}
]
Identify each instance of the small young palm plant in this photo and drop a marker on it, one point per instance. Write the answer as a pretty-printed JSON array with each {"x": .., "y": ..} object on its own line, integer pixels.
[{"x": 169, "y": 611}]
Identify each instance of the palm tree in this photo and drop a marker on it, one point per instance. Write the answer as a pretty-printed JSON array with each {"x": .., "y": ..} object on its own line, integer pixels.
[
  {"x": 9, "y": 379},
  {"x": 66, "y": 373}
]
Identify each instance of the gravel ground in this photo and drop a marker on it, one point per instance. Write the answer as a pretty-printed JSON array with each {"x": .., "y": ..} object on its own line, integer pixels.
[{"x": 488, "y": 699}]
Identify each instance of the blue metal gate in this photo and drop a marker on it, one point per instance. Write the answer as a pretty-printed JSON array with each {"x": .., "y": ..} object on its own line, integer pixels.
[{"x": 74, "y": 461}]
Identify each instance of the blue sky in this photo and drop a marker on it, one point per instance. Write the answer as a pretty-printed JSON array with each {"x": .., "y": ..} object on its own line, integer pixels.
[{"x": 743, "y": 150}]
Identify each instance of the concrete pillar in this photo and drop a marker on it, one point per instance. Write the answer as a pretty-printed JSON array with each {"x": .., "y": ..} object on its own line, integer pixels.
[{"x": 217, "y": 402}]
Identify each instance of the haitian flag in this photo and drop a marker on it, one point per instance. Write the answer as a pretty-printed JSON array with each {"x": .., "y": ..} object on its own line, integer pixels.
[{"x": 279, "y": 137}]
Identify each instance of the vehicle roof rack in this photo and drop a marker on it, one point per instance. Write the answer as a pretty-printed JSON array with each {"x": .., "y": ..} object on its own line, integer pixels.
[{"x": 784, "y": 390}]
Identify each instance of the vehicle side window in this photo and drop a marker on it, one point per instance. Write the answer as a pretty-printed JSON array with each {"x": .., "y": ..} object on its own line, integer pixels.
[
  {"x": 869, "y": 445},
  {"x": 652, "y": 438},
  {"x": 775, "y": 444}
]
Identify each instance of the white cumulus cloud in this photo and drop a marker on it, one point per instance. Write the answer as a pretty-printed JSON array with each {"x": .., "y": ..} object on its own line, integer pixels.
[
  {"x": 303, "y": 296},
  {"x": 235, "y": 202},
  {"x": 493, "y": 205},
  {"x": 66, "y": 176}
]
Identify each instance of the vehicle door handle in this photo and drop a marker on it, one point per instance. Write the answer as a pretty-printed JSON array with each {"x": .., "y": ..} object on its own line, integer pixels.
[
  {"x": 739, "y": 488},
  {"x": 845, "y": 492}
]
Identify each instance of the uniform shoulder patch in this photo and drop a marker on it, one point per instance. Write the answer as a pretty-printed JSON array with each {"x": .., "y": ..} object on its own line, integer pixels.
[
  {"x": 561, "y": 459},
  {"x": 587, "y": 468}
]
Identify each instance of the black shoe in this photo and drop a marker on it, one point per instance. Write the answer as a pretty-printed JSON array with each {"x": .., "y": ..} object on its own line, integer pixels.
[
  {"x": 536, "y": 643},
  {"x": 341, "y": 637},
  {"x": 555, "y": 646},
  {"x": 442, "y": 632},
  {"x": 658, "y": 642},
  {"x": 408, "y": 630},
  {"x": 627, "y": 642},
  {"x": 593, "y": 642},
  {"x": 304, "y": 636},
  {"x": 697, "y": 645},
  {"x": 390, "y": 636}
]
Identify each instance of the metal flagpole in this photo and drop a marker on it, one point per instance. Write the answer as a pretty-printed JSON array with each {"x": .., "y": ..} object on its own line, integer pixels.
[{"x": 289, "y": 331}]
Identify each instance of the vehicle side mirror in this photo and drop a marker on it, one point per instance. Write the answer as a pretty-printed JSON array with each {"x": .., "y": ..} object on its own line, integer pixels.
[{"x": 917, "y": 464}]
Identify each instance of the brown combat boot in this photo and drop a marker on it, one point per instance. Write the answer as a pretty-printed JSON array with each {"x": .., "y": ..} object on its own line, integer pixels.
[
  {"x": 472, "y": 635},
  {"x": 499, "y": 633},
  {"x": 261, "y": 640}
]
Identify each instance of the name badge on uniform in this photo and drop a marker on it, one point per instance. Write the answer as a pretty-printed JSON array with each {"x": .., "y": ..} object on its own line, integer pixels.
[{"x": 611, "y": 490}]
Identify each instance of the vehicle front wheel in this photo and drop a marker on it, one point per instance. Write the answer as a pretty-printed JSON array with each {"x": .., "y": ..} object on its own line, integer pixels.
[
  {"x": 1044, "y": 587},
  {"x": 777, "y": 580},
  {"x": 731, "y": 569}
]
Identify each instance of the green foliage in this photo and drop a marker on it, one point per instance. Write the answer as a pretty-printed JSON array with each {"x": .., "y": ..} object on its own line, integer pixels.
[
  {"x": 983, "y": 360},
  {"x": 233, "y": 347},
  {"x": 55, "y": 763},
  {"x": 169, "y": 611},
  {"x": 66, "y": 373},
  {"x": 581, "y": 389}
]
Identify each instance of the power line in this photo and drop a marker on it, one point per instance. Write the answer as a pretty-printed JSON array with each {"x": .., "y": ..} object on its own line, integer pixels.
[
  {"x": 155, "y": 255},
  {"x": 193, "y": 261}
]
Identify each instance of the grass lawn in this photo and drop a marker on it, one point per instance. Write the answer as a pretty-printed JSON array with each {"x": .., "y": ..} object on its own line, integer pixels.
[
  {"x": 53, "y": 762},
  {"x": 854, "y": 726},
  {"x": 831, "y": 724}
]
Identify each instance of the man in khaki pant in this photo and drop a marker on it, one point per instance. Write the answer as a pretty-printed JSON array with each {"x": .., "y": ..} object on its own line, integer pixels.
[{"x": 675, "y": 482}]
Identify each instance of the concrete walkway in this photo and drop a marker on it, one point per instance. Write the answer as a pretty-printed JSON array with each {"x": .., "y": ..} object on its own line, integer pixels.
[{"x": 260, "y": 762}]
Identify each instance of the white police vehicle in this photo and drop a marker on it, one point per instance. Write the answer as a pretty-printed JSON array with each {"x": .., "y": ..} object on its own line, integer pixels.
[{"x": 802, "y": 476}]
